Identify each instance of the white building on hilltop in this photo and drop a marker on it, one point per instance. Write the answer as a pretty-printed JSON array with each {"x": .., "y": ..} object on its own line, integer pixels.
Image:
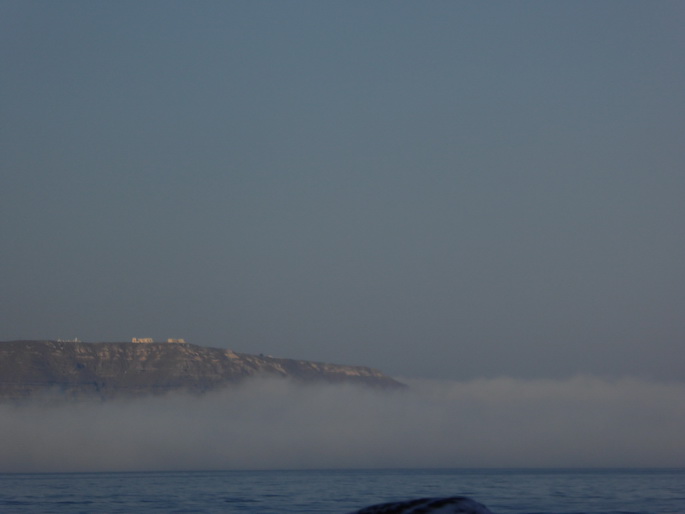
[
  {"x": 142, "y": 340},
  {"x": 150, "y": 340}
]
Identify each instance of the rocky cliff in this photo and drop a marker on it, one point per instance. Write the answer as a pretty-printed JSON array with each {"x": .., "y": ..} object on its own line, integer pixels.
[{"x": 108, "y": 370}]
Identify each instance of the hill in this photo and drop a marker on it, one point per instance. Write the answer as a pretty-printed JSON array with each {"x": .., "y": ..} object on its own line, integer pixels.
[{"x": 110, "y": 370}]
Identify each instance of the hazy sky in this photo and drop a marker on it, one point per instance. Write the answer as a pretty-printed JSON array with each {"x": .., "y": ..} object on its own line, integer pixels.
[
  {"x": 437, "y": 189},
  {"x": 579, "y": 422}
]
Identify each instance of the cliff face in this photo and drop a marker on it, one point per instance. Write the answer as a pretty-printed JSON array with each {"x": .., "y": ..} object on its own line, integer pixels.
[{"x": 108, "y": 370}]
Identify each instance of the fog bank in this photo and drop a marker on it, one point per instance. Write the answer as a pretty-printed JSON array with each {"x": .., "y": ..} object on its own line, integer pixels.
[{"x": 275, "y": 424}]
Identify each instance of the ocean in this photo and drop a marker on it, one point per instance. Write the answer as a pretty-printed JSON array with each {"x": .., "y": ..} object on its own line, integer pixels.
[{"x": 504, "y": 491}]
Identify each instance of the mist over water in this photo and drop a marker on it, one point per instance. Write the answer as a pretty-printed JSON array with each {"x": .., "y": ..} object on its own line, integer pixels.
[{"x": 576, "y": 422}]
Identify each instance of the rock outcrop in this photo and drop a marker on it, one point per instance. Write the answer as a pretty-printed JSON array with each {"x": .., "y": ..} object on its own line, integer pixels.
[{"x": 110, "y": 370}]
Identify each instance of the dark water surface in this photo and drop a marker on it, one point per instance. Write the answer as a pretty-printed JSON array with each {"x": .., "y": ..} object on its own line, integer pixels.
[{"x": 341, "y": 491}]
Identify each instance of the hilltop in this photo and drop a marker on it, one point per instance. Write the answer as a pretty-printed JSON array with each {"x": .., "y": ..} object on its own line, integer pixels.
[{"x": 108, "y": 370}]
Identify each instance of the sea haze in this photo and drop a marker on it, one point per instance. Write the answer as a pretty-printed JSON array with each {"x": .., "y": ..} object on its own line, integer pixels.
[{"x": 579, "y": 422}]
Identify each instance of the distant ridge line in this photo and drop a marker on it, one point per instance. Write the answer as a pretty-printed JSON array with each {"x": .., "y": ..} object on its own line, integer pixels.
[{"x": 105, "y": 370}]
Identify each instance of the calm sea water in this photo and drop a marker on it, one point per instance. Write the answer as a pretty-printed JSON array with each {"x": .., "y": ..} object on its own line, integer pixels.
[{"x": 341, "y": 491}]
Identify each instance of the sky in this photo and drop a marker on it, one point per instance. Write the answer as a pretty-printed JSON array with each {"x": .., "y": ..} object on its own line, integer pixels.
[{"x": 441, "y": 190}]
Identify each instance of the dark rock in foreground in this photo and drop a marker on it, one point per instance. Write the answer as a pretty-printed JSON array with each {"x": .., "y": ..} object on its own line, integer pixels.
[
  {"x": 451, "y": 505},
  {"x": 110, "y": 370}
]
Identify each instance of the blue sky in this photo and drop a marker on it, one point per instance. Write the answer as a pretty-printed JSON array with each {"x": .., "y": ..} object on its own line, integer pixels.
[{"x": 436, "y": 189}]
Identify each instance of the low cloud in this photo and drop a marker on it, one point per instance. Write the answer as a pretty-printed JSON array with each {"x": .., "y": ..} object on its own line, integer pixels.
[{"x": 277, "y": 424}]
